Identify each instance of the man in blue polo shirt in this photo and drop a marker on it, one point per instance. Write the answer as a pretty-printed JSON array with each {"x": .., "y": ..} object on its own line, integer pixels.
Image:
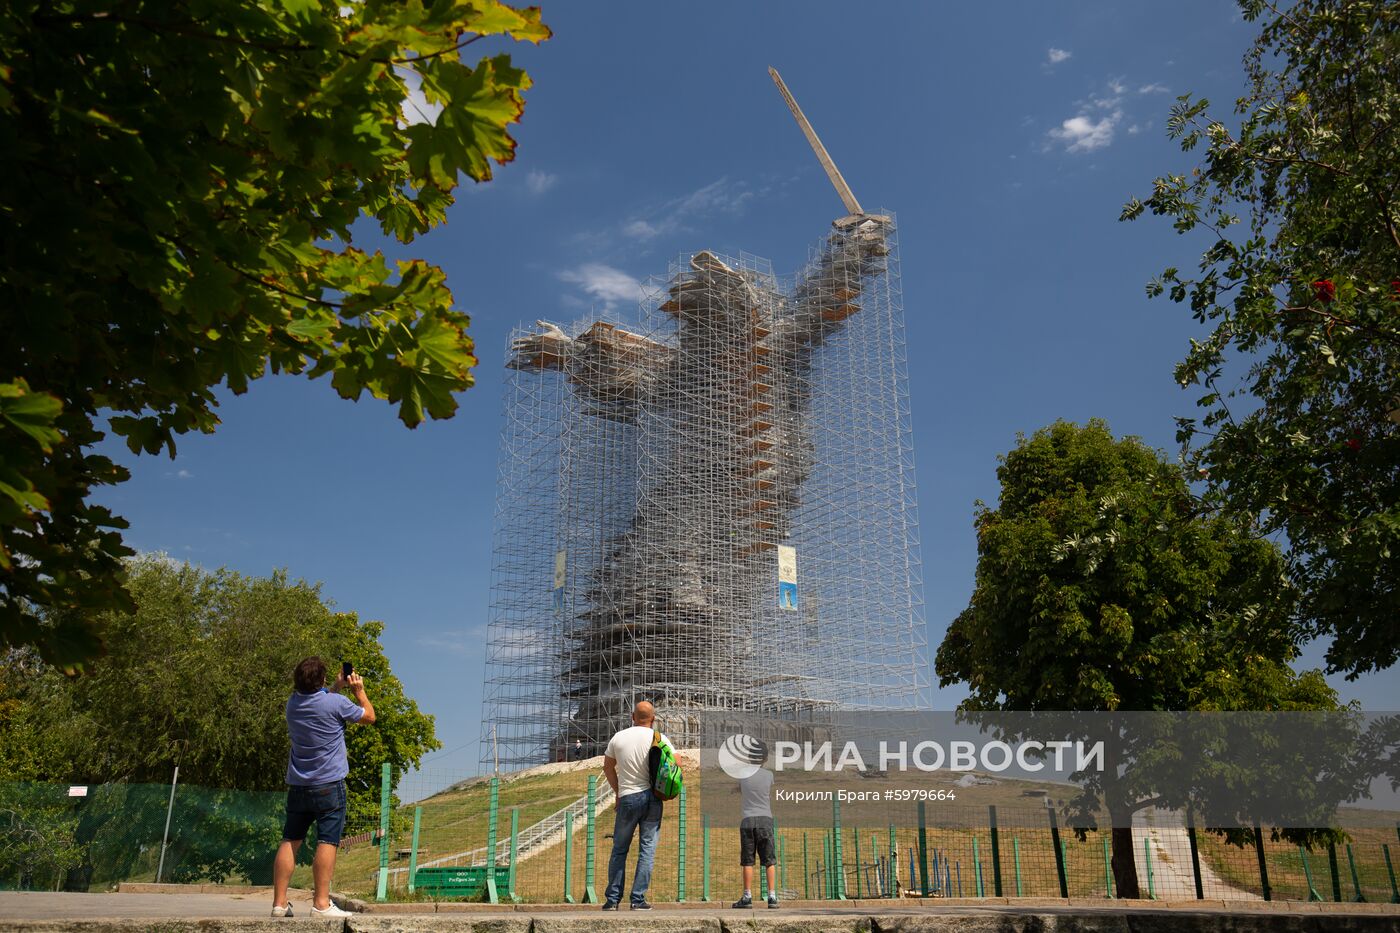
[{"x": 316, "y": 771}]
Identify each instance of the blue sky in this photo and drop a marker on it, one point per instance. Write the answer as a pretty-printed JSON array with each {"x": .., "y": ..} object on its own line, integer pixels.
[{"x": 1006, "y": 137}]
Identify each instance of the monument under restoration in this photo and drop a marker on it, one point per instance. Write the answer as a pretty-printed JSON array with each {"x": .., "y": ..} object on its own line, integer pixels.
[{"x": 710, "y": 506}]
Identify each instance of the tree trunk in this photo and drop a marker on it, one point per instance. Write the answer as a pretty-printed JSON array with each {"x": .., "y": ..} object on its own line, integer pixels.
[{"x": 1125, "y": 878}]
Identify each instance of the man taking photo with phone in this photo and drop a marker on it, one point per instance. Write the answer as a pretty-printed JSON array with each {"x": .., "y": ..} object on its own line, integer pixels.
[{"x": 316, "y": 770}]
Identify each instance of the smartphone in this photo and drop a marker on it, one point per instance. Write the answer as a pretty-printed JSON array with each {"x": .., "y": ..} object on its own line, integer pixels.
[{"x": 346, "y": 669}]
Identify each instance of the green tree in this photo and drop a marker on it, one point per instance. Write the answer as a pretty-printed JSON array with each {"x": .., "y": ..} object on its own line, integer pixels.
[
  {"x": 1100, "y": 587},
  {"x": 180, "y": 183},
  {"x": 199, "y": 677},
  {"x": 1299, "y": 202}
]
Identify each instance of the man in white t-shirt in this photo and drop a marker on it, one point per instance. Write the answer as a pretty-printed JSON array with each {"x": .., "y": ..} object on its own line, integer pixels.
[{"x": 626, "y": 766}]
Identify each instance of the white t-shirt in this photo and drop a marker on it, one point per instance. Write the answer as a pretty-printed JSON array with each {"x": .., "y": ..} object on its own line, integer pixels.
[
  {"x": 629, "y": 749},
  {"x": 756, "y": 789}
]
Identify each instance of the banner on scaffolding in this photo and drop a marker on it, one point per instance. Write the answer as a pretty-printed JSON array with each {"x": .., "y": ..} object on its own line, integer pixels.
[
  {"x": 787, "y": 577},
  {"x": 560, "y": 575}
]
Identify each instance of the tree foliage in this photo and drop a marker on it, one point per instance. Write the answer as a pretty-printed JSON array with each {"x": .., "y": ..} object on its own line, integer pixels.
[
  {"x": 1300, "y": 286},
  {"x": 199, "y": 677},
  {"x": 1100, "y": 586},
  {"x": 180, "y": 184}
]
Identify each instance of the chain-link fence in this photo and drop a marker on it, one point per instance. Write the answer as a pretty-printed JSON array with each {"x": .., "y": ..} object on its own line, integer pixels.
[{"x": 546, "y": 835}]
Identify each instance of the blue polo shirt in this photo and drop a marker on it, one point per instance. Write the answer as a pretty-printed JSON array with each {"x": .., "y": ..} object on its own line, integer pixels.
[{"x": 316, "y": 724}]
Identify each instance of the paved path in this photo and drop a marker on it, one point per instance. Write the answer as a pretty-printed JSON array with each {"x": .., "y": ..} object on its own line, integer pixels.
[{"x": 248, "y": 912}]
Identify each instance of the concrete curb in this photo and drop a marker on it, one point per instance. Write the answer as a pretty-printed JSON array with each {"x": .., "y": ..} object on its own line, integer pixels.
[{"x": 1064, "y": 918}]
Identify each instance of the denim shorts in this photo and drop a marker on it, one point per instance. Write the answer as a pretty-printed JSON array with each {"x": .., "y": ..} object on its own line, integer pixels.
[{"x": 322, "y": 804}]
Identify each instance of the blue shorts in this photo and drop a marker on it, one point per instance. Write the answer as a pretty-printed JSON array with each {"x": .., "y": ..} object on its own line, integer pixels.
[{"x": 322, "y": 804}]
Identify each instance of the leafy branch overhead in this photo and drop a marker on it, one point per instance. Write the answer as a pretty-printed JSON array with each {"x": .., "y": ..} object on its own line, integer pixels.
[
  {"x": 1298, "y": 202},
  {"x": 182, "y": 181}
]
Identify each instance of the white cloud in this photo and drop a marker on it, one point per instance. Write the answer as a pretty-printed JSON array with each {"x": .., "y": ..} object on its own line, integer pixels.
[
  {"x": 179, "y": 474},
  {"x": 1085, "y": 134},
  {"x": 718, "y": 197},
  {"x": 640, "y": 229},
  {"x": 1153, "y": 88},
  {"x": 539, "y": 182},
  {"x": 1093, "y": 127},
  {"x": 1055, "y": 56},
  {"x": 604, "y": 283}
]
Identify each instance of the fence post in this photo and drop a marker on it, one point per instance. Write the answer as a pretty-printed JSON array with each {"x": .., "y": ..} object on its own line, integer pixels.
[
  {"x": 1016, "y": 861},
  {"x": 1307, "y": 873},
  {"x": 838, "y": 862},
  {"x": 680, "y": 849},
  {"x": 1336, "y": 873},
  {"x": 492, "y": 895},
  {"x": 1059, "y": 852},
  {"x": 1390, "y": 871},
  {"x": 1195, "y": 856},
  {"x": 892, "y": 875},
  {"x": 826, "y": 864},
  {"x": 590, "y": 852},
  {"x": 169, "y": 810},
  {"x": 1147, "y": 859},
  {"x": 782, "y": 865},
  {"x": 1355, "y": 881},
  {"x": 977, "y": 870},
  {"x": 856, "y": 834},
  {"x": 413, "y": 852},
  {"x": 877, "y": 861},
  {"x": 1263, "y": 866},
  {"x": 382, "y": 889},
  {"x": 996, "y": 852},
  {"x": 568, "y": 856},
  {"x": 806, "y": 874},
  {"x": 1107, "y": 870},
  {"x": 705, "y": 857},
  {"x": 923, "y": 852},
  {"x": 514, "y": 854}
]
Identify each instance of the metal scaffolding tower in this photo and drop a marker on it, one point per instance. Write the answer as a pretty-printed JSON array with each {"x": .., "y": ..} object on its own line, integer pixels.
[{"x": 711, "y": 506}]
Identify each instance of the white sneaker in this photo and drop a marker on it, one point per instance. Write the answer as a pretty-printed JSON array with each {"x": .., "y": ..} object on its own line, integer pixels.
[
  {"x": 282, "y": 910},
  {"x": 331, "y": 911}
]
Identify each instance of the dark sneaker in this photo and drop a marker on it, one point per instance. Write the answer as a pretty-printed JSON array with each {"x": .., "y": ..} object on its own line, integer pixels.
[
  {"x": 640, "y": 905},
  {"x": 772, "y": 902},
  {"x": 610, "y": 905},
  {"x": 744, "y": 902}
]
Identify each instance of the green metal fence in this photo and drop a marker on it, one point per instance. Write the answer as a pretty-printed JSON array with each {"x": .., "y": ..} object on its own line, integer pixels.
[{"x": 547, "y": 838}]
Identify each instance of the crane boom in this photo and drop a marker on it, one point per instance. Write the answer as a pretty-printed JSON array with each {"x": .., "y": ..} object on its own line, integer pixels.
[{"x": 832, "y": 172}]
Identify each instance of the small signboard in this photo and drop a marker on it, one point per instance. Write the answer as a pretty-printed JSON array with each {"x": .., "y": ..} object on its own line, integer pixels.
[
  {"x": 560, "y": 576},
  {"x": 787, "y": 577},
  {"x": 77, "y": 790}
]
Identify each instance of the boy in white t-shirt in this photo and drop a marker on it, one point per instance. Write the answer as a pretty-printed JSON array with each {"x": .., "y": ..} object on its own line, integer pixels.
[
  {"x": 626, "y": 766},
  {"x": 756, "y": 829}
]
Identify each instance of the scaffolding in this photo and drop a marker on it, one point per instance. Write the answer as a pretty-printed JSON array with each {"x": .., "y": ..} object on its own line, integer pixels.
[{"x": 710, "y": 506}]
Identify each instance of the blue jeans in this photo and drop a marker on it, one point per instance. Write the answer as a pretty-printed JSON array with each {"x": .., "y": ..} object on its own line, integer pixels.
[{"x": 639, "y": 811}]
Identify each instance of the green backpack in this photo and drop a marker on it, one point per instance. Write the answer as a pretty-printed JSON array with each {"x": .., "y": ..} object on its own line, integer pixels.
[{"x": 666, "y": 777}]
